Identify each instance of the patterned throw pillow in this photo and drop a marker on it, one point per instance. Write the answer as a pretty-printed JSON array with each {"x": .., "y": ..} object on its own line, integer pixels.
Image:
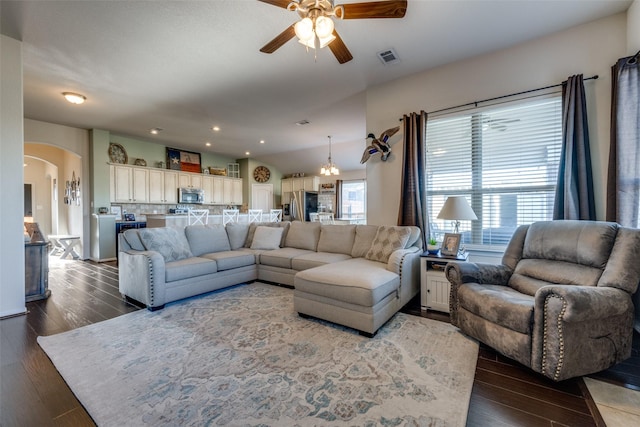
[
  {"x": 169, "y": 242},
  {"x": 388, "y": 239}
]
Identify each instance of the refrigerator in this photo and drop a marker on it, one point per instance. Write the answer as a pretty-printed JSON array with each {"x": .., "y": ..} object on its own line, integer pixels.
[{"x": 303, "y": 203}]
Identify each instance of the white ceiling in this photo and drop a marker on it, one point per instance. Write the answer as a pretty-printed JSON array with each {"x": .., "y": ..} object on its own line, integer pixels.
[{"x": 185, "y": 66}]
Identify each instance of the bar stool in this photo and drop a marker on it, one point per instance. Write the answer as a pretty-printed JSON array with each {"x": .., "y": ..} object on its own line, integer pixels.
[
  {"x": 229, "y": 215},
  {"x": 275, "y": 215},
  {"x": 255, "y": 215},
  {"x": 198, "y": 216}
]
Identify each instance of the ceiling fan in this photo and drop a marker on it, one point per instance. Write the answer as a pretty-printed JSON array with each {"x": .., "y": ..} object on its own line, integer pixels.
[{"x": 316, "y": 28}]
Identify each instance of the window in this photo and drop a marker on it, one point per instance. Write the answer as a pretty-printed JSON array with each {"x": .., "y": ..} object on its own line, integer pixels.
[
  {"x": 504, "y": 159},
  {"x": 354, "y": 202}
]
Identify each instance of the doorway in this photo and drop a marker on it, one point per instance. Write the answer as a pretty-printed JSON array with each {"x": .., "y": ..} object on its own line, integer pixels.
[{"x": 262, "y": 197}]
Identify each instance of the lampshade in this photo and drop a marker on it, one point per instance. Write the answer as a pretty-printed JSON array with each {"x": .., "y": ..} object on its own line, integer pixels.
[
  {"x": 456, "y": 208},
  {"x": 324, "y": 27},
  {"x": 304, "y": 29}
]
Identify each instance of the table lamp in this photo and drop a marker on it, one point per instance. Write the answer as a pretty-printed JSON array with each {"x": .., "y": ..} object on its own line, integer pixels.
[{"x": 455, "y": 209}]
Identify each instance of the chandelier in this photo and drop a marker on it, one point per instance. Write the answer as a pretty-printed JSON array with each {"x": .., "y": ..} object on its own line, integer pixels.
[
  {"x": 315, "y": 29},
  {"x": 329, "y": 168}
]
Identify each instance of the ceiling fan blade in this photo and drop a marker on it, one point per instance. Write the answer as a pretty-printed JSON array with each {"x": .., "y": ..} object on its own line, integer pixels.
[
  {"x": 279, "y": 3},
  {"x": 339, "y": 49},
  {"x": 375, "y": 9},
  {"x": 279, "y": 40}
]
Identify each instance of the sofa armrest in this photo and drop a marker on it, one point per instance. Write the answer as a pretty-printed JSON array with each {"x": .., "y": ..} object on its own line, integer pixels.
[
  {"x": 406, "y": 264},
  {"x": 459, "y": 272},
  {"x": 585, "y": 303},
  {"x": 579, "y": 330},
  {"x": 141, "y": 277}
]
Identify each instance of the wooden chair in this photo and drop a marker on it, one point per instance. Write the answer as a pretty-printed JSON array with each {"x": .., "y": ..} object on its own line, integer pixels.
[
  {"x": 275, "y": 215},
  {"x": 198, "y": 216},
  {"x": 255, "y": 215},
  {"x": 229, "y": 215}
]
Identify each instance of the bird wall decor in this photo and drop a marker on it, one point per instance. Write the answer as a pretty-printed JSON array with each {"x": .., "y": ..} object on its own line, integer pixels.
[{"x": 380, "y": 145}]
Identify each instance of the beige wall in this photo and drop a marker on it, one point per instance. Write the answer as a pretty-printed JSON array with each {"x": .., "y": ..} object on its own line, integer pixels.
[
  {"x": 586, "y": 49},
  {"x": 633, "y": 28}
]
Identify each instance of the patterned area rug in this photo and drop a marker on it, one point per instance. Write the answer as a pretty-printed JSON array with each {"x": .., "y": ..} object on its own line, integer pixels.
[{"x": 242, "y": 356}]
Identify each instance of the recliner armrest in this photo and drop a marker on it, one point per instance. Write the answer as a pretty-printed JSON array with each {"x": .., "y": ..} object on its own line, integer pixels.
[
  {"x": 458, "y": 272},
  {"x": 585, "y": 303}
]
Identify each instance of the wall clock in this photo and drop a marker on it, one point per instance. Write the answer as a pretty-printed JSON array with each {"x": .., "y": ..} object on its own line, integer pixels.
[
  {"x": 261, "y": 174},
  {"x": 117, "y": 153}
]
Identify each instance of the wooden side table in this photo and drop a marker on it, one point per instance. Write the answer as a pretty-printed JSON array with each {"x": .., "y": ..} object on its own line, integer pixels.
[{"x": 434, "y": 286}]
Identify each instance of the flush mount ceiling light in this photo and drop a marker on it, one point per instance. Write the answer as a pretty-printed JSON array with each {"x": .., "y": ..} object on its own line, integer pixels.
[
  {"x": 329, "y": 168},
  {"x": 155, "y": 131},
  {"x": 316, "y": 27},
  {"x": 74, "y": 98}
]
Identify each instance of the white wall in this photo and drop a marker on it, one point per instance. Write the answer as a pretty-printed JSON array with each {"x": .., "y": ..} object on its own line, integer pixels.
[
  {"x": 586, "y": 49},
  {"x": 12, "y": 290}
]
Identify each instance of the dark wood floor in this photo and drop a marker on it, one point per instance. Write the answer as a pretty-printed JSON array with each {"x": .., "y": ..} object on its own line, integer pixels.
[{"x": 34, "y": 394}]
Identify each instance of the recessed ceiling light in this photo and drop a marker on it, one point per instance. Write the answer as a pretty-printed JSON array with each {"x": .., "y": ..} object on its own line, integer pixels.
[
  {"x": 74, "y": 98},
  {"x": 215, "y": 128},
  {"x": 208, "y": 144},
  {"x": 155, "y": 131},
  {"x": 262, "y": 141},
  {"x": 246, "y": 153}
]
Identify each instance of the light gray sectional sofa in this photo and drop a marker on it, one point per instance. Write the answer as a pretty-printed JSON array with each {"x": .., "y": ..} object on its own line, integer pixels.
[{"x": 354, "y": 275}]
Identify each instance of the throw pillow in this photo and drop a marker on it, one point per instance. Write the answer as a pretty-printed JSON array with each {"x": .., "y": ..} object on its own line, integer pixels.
[
  {"x": 237, "y": 234},
  {"x": 169, "y": 242},
  {"x": 267, "y": 238},
  {"x": 205, "y": 239},
  {"x": 336, "y": 239},
  {"x": 388, "y": 239}
]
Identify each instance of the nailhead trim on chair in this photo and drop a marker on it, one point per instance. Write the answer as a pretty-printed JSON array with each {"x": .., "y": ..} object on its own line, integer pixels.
[
  {"x": 544, "y": 340},
  {"x": 151, "y": 301}
]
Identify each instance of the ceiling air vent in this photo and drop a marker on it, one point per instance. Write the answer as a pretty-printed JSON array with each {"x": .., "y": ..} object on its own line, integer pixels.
[
  {"x": 388, "y": 56},
  {"x": 303, "y": 122}
]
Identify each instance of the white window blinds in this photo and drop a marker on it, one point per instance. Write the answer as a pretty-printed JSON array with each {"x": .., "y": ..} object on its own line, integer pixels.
[{"x": 503, "y": 159}]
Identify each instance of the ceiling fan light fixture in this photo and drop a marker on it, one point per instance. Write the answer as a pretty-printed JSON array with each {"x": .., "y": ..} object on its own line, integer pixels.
[
  {"x": 304, "y": 29},
  {"x": 324, "y": 27},
  {"x": 326, "y": 40}
]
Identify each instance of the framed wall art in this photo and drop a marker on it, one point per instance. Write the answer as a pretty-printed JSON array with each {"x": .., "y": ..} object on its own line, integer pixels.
[{"x": 186, "y": 161}]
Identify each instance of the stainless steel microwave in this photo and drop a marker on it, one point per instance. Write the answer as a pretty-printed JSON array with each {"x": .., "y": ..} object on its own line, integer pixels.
[{"x": 190, "y": 195}]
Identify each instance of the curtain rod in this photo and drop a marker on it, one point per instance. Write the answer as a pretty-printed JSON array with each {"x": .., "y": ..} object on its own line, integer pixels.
[{"x": 475, "y": 103}]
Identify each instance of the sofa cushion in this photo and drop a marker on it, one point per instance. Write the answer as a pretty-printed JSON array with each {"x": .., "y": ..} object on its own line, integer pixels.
[
  {"x": 254, "y": 225},
  {"x": 229, "y": 260},
  {"x": 303, "y": 235},
  {"x": 237, "y": 234},
  {"x": 281, "y": 257},
  {"x": 337, "y": 239},
  {"x": 169, "y": 242},
  {"x": 267, "y": 238},
  {"x": 204, "y": 239},
  {"x": 363, "y": 240},
  {"x": 356, "y": 281},
  {"x": 498, "y": 304},
  {"x": 315, "y": 259},
  {"x": 388, "y": 239},
  {"x": 133, "y": 239},
  {"x": 188, "y": 268}
]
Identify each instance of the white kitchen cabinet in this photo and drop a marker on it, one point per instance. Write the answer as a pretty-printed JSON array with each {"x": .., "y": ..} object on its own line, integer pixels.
[
  {"x": 289, "y": 185},
  {"x": 232, "y": 190},
  {"x": 163, "y": 186},
  {"x": 129, "y": 184}
]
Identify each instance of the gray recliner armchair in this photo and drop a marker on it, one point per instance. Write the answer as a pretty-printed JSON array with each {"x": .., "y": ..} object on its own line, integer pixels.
[{"x": 560, "y": 302}]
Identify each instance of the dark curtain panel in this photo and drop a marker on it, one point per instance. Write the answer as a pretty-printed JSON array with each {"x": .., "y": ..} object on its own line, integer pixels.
[
  {"x": 412, "y": 192},
  {"x": 623, "y": 184},
  {"x": 574, "y": 192},
  {"x": 338, "y": 207}
]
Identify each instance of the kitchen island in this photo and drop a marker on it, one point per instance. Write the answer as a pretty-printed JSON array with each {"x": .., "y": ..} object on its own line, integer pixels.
[{"x": 182, "y": 220}]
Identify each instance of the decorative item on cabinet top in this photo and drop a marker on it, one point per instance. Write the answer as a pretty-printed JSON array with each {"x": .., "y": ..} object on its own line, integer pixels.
[
  {"x": 140, "y": 162},
  {"x": 186, "y": 161},
  {"x": 117, "y": 153},
  {"x": 217, "y": 171}
]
